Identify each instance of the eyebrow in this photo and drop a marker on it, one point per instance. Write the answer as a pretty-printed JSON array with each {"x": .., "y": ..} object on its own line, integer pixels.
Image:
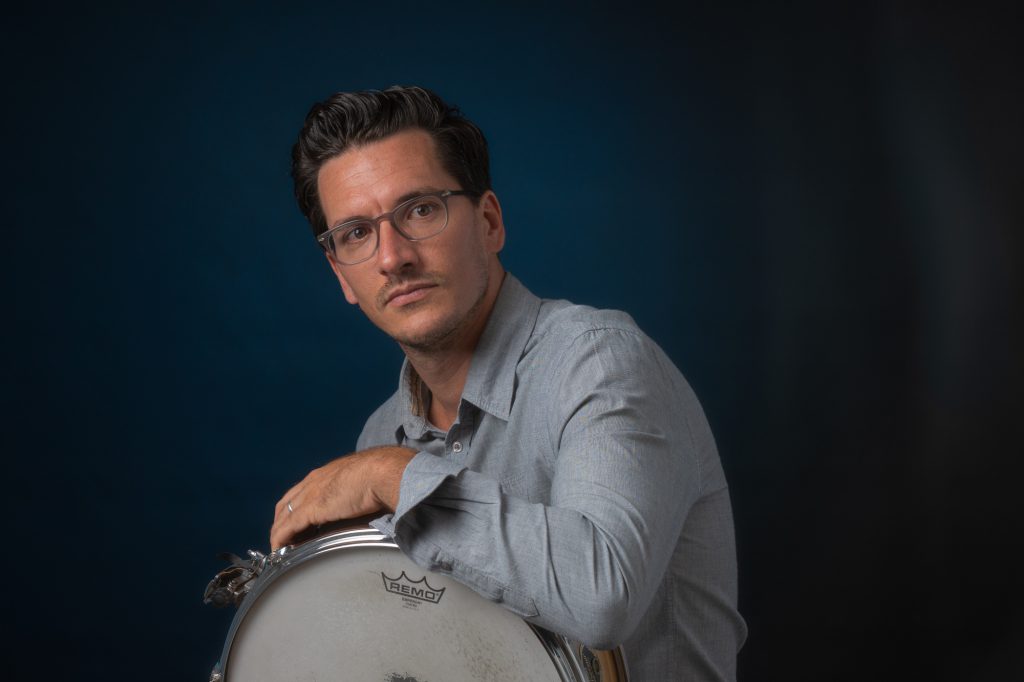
[{"x": 418, "y": 192}]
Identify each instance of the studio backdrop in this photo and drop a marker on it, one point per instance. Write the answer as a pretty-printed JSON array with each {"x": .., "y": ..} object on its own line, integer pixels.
[{"x": 815, "y": 211}]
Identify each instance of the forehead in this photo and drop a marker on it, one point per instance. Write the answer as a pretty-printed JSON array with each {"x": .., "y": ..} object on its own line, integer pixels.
[{"x": 369, "y": 179}]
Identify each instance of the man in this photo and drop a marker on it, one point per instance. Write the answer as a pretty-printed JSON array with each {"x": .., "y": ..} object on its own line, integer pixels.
[{"x": 547, "y": 455}]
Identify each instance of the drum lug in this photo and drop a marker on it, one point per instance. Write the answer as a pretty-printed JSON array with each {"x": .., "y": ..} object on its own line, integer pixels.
[
  {"x": 272, "y": 559},
  {"x": 229, "y": 586}
]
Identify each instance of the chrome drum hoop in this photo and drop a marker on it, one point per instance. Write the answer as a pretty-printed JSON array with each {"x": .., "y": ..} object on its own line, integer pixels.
[{"x": 568, "y": 661}]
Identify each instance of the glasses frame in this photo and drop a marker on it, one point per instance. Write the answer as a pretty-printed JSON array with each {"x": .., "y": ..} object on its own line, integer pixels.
[{"x": 325, "y": 238}]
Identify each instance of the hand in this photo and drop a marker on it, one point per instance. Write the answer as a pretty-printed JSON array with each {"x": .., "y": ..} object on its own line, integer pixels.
[{"x": 355, "y": 485}]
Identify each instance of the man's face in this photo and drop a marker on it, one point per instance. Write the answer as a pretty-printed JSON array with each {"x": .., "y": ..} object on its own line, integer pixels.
[{"x": 425, "y": 294}]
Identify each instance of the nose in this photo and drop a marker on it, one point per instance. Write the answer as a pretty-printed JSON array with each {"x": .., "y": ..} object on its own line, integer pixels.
[{"x": 395, "y": 253}]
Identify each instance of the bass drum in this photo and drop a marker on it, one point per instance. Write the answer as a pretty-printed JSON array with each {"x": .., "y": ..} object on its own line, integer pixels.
[{"x": 351, "y": 606}]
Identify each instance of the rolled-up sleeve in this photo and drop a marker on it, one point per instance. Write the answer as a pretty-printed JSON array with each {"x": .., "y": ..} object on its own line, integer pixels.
[{"x": 624, "y": 472}]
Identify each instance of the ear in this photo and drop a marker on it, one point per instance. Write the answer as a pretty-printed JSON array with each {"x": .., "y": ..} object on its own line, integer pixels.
[
  {"x": 350, "y": 295},
  {"x": 489, "y": 210}
]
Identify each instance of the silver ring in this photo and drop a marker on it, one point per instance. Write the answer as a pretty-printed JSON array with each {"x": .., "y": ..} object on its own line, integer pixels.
[{"x": 290, "y": 510}]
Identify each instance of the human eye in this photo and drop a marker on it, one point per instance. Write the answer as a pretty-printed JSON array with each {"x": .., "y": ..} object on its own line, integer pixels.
[
  {"x": 355, "y": 234},
  {"x": 424, "y": 208}
]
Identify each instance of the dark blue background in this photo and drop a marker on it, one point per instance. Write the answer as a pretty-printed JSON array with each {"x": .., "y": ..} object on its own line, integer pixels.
[{"x": 816, "y": 212}]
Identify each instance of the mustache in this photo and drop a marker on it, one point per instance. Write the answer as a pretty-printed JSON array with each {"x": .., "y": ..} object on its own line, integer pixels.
[{"x": 426, "y": 279}]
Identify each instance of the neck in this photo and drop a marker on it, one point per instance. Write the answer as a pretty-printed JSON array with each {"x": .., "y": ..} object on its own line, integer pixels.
[
  {"x": 445, "y": 377},
  {"x": 444, "y": 370}
]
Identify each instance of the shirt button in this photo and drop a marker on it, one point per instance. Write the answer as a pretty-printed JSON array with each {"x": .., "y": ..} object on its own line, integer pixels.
[{"x": 456, "y": 447}]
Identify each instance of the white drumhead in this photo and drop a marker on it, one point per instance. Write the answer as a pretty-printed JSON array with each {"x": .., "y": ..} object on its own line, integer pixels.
[{"x": 368, "y": 614}]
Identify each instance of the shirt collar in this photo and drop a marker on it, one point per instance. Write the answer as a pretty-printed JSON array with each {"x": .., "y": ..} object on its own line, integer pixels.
[
  {"x": 490, "y": 383},
  {"x": 414, "y": 426}
]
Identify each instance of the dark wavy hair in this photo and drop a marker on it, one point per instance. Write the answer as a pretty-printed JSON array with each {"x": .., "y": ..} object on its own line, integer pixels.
[{"x": 350, "y": 119}]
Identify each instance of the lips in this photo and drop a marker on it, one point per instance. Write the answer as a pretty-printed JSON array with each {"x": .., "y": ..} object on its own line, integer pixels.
[{"x": 407, "y": 293}]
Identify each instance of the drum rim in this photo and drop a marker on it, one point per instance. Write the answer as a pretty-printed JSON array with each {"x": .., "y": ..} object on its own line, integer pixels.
[
  {"x": 284, "y": 559},
  {"x": 290, "y": 556}
]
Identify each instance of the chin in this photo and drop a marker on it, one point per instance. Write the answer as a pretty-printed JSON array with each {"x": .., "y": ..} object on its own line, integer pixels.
[
  {"x": 428, "y": 337},
  {"x": 436, "y": 325},
  {"x": 429, "y": 340}
]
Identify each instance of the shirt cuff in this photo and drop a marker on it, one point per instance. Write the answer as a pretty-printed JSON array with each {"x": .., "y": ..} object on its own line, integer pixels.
[{"x": 422, "y": 476}]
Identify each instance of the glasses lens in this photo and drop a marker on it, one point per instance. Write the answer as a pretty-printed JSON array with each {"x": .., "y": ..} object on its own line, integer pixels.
[
  {"x": 355, "y": 242},
  {"x": 422, "y": 217}
]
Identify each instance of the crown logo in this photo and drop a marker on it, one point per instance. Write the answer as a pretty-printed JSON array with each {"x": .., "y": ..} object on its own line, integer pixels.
[{"x": 414, "y": 589}]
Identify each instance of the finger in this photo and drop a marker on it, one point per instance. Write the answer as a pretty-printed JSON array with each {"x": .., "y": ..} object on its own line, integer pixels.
[
  {"x": 287, "y": 531},
  {"x": 290, "y": 494},
  {"x": 285, "y": 510},
  {"x": 289, "y": 524},
  {"x": 281, "y": 508},
  {"x": 283, "y": 531}
]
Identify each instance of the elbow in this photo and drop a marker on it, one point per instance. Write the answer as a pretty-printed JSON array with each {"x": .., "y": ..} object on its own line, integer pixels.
[
  {"x": 608, "y": 607},
  {"x": 608, "y": 624}
]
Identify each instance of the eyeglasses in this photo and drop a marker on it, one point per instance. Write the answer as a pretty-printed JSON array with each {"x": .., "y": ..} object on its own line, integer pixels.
[{"x": 419, "y": 218}]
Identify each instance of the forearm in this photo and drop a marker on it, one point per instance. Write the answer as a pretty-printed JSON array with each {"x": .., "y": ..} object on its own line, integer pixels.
[
  {"x": 583, "y": 565},
  {"x": 384, "y": 480},
  {"x": 356, "y": 485}
]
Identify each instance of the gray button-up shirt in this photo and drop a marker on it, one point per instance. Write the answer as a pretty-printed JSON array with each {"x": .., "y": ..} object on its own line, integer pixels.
[{"x": 579, "y": 487}]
